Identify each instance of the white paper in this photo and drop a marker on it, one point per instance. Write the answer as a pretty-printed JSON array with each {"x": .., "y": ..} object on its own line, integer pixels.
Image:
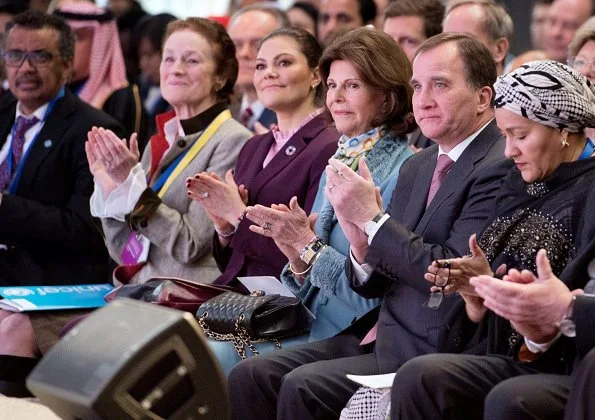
[
  {"x": 11, "y": 305},
  {"x": 374, "y": 381},
  {"x": 268, "y": 284}
]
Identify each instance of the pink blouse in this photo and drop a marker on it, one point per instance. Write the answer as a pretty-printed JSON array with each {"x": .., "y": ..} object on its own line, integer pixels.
[{"x": 282, "y": 137}]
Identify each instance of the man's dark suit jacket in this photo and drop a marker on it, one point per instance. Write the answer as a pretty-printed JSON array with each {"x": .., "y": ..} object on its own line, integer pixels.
[
  {"x": 267, "y": 117},
  {"x": 47, "y": 224},
  {"x": 413, "y": 237},
  {"x": 286, "y": 175}
]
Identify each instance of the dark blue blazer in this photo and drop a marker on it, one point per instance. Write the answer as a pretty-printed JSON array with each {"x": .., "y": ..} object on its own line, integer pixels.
[{"x": 295, "y": 170}]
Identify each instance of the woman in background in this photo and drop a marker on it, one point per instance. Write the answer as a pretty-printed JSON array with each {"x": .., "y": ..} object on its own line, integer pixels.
[
  {"x": 581, "y": 57},
  {"x": 304, "y": 15},
  {"x": 148, "y": 41}
]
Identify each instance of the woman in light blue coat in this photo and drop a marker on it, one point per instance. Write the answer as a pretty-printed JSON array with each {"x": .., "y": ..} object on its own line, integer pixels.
[{"x": 324, "y": 289}]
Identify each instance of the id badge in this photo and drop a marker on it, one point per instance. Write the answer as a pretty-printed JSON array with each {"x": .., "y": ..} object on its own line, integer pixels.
[{"x": 136, "y": 249}]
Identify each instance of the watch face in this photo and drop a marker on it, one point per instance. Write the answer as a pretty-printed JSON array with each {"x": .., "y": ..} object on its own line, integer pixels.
[{"x": 368, "y": 227}]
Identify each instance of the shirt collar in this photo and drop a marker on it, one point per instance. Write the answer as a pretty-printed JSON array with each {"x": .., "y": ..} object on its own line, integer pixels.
[
  {"x": 458, "y": 150},
  {"x": 39, "y": 112},
  {"x": 281, "y": 137},
  {"x": 171, "y": 130}
]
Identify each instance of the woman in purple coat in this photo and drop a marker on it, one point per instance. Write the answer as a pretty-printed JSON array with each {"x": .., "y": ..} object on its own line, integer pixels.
[{"x": 273, "y": 167}]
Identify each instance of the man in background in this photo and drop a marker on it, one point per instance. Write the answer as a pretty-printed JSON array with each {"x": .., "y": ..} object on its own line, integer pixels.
[
  {"x": 246, "y": 28},
  {"x": 342, "y": 15},
  {"x": 410, "y": 23},
  {"x": 487, "y": 21},
  {"x": 564, "y": 18}
]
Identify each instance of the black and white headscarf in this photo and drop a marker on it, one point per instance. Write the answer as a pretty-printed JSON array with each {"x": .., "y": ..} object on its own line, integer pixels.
[{"x": 549, "y": 93}]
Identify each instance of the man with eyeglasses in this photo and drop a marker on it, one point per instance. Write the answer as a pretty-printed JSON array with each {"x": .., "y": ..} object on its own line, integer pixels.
[
  {"x": 246, "y": 28},
  {"x": 581, "y": 57},
  {"x": 45, "y": 184},
  {"x": 46, "y": 230}
]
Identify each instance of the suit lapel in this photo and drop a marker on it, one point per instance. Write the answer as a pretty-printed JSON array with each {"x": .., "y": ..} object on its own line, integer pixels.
[
  {"x": 299, "y": 141},
  {"x": 416, "y": 206},
  {"x": 10, "y": 112},
  {"x": 464, "y": 166},
  {"x": 47, "y": 140}
]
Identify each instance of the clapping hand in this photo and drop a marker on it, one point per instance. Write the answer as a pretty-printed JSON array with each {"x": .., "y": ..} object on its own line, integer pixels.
[
  {"x": 355, "y": 199},
  {"x": 223, "y": 200},
  {"x": 110, "y": 160},
  {"x": 288, "y": 226},
  {"x": 533, "y": 304},
  {"x": 457, "y": 272}
]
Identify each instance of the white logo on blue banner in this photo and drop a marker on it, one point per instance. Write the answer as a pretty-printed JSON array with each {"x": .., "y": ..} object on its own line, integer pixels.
[{"x": 17, "y": 291}]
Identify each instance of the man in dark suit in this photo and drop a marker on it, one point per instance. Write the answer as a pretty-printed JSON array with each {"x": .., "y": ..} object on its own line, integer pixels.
[
  {"x": 46, "y": 230},
  {"x": 246, "y": 28},
  {"x": 433, "y": 211}
]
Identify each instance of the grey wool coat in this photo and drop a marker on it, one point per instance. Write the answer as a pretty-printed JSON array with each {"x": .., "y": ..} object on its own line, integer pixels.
[{"x": 179, "y": 230}]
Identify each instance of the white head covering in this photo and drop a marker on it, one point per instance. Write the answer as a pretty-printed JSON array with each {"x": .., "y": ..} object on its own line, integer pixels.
[{"x": 550, "y": 93}]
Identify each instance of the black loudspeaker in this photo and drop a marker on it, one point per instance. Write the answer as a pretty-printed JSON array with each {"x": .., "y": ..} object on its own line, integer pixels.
[{"x": 132, "y": 360}]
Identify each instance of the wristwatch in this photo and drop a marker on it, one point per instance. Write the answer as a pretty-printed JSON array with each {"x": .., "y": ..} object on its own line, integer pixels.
[
  {"x": 567, "y": 326},
  {"x": 310, "y": 250},
  {"x": 370, "y": 226}
]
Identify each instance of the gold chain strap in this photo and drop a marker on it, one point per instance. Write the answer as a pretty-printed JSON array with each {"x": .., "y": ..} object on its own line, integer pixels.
[{"x": 240, "y": 339}]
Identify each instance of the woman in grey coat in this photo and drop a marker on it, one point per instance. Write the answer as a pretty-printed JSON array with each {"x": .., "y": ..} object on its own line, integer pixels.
[{"x": 152, "y": 228}]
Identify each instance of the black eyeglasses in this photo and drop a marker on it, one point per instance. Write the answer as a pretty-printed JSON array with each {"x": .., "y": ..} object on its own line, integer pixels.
[
  {"x": 38, "y": 58},
  {"x": 437, "y": 296}
]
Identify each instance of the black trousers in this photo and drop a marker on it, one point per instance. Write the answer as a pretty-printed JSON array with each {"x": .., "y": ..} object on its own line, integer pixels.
[
  {"x": 449, "y": 386},
  {"x": 304, "y": 382},
  {"x": 581, "y": 404}
]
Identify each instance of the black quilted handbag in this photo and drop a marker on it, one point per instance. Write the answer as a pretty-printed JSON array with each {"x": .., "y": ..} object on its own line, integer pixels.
[{"x": 243, "y": 319}]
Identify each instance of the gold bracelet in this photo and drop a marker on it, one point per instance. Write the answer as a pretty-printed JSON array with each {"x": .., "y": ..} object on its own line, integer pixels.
[{"x": 299, "y": 274}]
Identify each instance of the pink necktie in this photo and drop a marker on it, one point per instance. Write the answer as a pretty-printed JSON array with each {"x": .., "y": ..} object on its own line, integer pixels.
[
  {"x": 371, "y": 336},
  {"x": 18, "y": 141},
  {"x": 442, "y": 167}
]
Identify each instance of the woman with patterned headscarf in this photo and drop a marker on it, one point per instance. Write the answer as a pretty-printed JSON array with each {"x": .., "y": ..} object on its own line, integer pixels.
[
  {"x": 542, "y": 108},
  {"x": 99, "y": 72}
]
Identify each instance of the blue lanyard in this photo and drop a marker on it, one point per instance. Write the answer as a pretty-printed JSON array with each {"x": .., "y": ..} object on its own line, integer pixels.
[
  {"x": 15, "y": 182},
  {"x": 165, "y": 174},
  {"x": 588, "y": 150}
]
